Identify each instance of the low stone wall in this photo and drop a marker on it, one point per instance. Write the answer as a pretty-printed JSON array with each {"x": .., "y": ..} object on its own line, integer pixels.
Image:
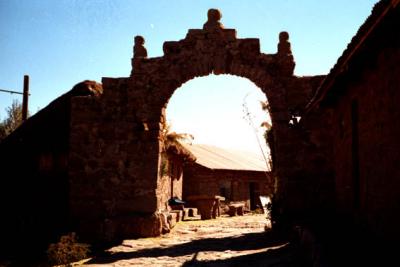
[{"x": 122, "y": 227}]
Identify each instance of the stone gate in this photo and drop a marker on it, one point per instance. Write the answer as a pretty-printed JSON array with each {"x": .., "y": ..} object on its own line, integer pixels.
[{"x": 114, "y": 157}]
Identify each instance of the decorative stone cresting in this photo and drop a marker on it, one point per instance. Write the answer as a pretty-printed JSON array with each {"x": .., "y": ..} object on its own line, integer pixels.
[
  {"x": 284, "y": 45},
  {"x": 139, "y": 51},
  {"x": 285, "y": 56},
  {"x": 214, "y": 16}
]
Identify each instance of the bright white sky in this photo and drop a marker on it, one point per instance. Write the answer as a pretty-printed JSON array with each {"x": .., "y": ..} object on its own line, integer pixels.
[
  {"x": 212, "y": 109},
  {"x": 60, "y": 43}
]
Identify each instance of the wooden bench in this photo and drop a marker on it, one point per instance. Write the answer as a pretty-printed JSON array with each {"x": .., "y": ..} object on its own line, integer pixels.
[{"x": 236, "y": 209}]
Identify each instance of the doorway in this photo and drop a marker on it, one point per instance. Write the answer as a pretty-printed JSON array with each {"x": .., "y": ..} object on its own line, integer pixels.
[{"x": 253, "y": 195}]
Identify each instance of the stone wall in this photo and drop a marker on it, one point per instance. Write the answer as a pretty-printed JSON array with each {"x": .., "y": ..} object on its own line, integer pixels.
[
  {"x": 164, "y": 190},
  {"x": 310, "y": 184},
  {"x": 116, "y": 140},
  {"x": 110, "y": 154}
]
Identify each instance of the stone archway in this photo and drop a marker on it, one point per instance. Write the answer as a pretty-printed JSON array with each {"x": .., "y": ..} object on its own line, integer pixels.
[{"x": 115, "y": 139}]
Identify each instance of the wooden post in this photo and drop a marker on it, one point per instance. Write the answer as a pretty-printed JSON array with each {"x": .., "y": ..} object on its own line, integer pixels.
[{"x": 25, "y": 98}]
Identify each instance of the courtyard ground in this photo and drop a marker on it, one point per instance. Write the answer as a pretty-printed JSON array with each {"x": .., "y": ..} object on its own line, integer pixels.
[{"x": 226, "y": 241}]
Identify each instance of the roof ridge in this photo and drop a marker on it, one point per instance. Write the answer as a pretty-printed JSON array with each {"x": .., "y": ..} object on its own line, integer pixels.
[{"x": 377, "y": 13}]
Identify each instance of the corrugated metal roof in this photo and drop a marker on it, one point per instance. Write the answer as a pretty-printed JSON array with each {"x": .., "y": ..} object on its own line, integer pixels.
[{"x": 226, "y": 159}]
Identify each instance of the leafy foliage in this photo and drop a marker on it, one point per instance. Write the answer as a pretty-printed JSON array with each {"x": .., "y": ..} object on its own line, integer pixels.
[
  {"x": 13, "y": 120},
  {"x": 172, "y": 138},
  {"x": 67, "y": 250},
  {"x": 171, "y": 143}
]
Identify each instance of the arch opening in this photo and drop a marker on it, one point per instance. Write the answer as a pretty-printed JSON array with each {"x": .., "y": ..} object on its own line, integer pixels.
[
  {"x": 222, "y": 121},
  {"x": 213, "y": 107}
]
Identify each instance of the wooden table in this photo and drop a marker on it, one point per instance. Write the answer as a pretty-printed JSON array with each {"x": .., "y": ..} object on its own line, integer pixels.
[{"x": 236, "y": 209}]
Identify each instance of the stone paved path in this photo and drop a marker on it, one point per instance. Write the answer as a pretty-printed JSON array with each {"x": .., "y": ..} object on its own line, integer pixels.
[{"x": 226, "y": 241}]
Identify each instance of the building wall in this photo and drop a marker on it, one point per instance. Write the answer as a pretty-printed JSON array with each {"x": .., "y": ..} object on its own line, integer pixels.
[
  {"x": 176, "y": 177},
  {"x": 171, "y": 181},
  {"x": 366, "y": 121},
  {"x": 233, "y": 185},
  {"x": 366, "y": 148},
  {"x": 34, "y": 188}
]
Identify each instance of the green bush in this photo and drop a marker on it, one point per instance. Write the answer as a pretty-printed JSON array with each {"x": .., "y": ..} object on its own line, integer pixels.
[{"x": 67, "y": 250}]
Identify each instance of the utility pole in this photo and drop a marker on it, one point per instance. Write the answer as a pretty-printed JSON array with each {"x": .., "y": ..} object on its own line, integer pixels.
[
  {"x": 25, "y": 95},
  {"x": 25, "y": 98}
]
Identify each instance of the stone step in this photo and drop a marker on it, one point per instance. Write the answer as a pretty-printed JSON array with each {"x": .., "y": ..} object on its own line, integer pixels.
[
  {"x": 190, "y": 213},
  {"x": 177, "y": 215}
]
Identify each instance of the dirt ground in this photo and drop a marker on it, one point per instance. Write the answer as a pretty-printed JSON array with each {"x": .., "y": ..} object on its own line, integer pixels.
[{"x": 226, "y": 241}]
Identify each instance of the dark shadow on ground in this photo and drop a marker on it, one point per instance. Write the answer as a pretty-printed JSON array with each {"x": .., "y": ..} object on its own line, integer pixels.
[
  {"x": 284, "y": 256},
  {"x": 251, "y": 241}
]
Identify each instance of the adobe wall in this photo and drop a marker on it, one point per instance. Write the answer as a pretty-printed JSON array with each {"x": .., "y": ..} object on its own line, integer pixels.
[
  {"x": 34, "y": 189},
  {"x": 366, "y": 140},
  {"x": 203, "y": 181},
  {"x": 352, "y": 131}
]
